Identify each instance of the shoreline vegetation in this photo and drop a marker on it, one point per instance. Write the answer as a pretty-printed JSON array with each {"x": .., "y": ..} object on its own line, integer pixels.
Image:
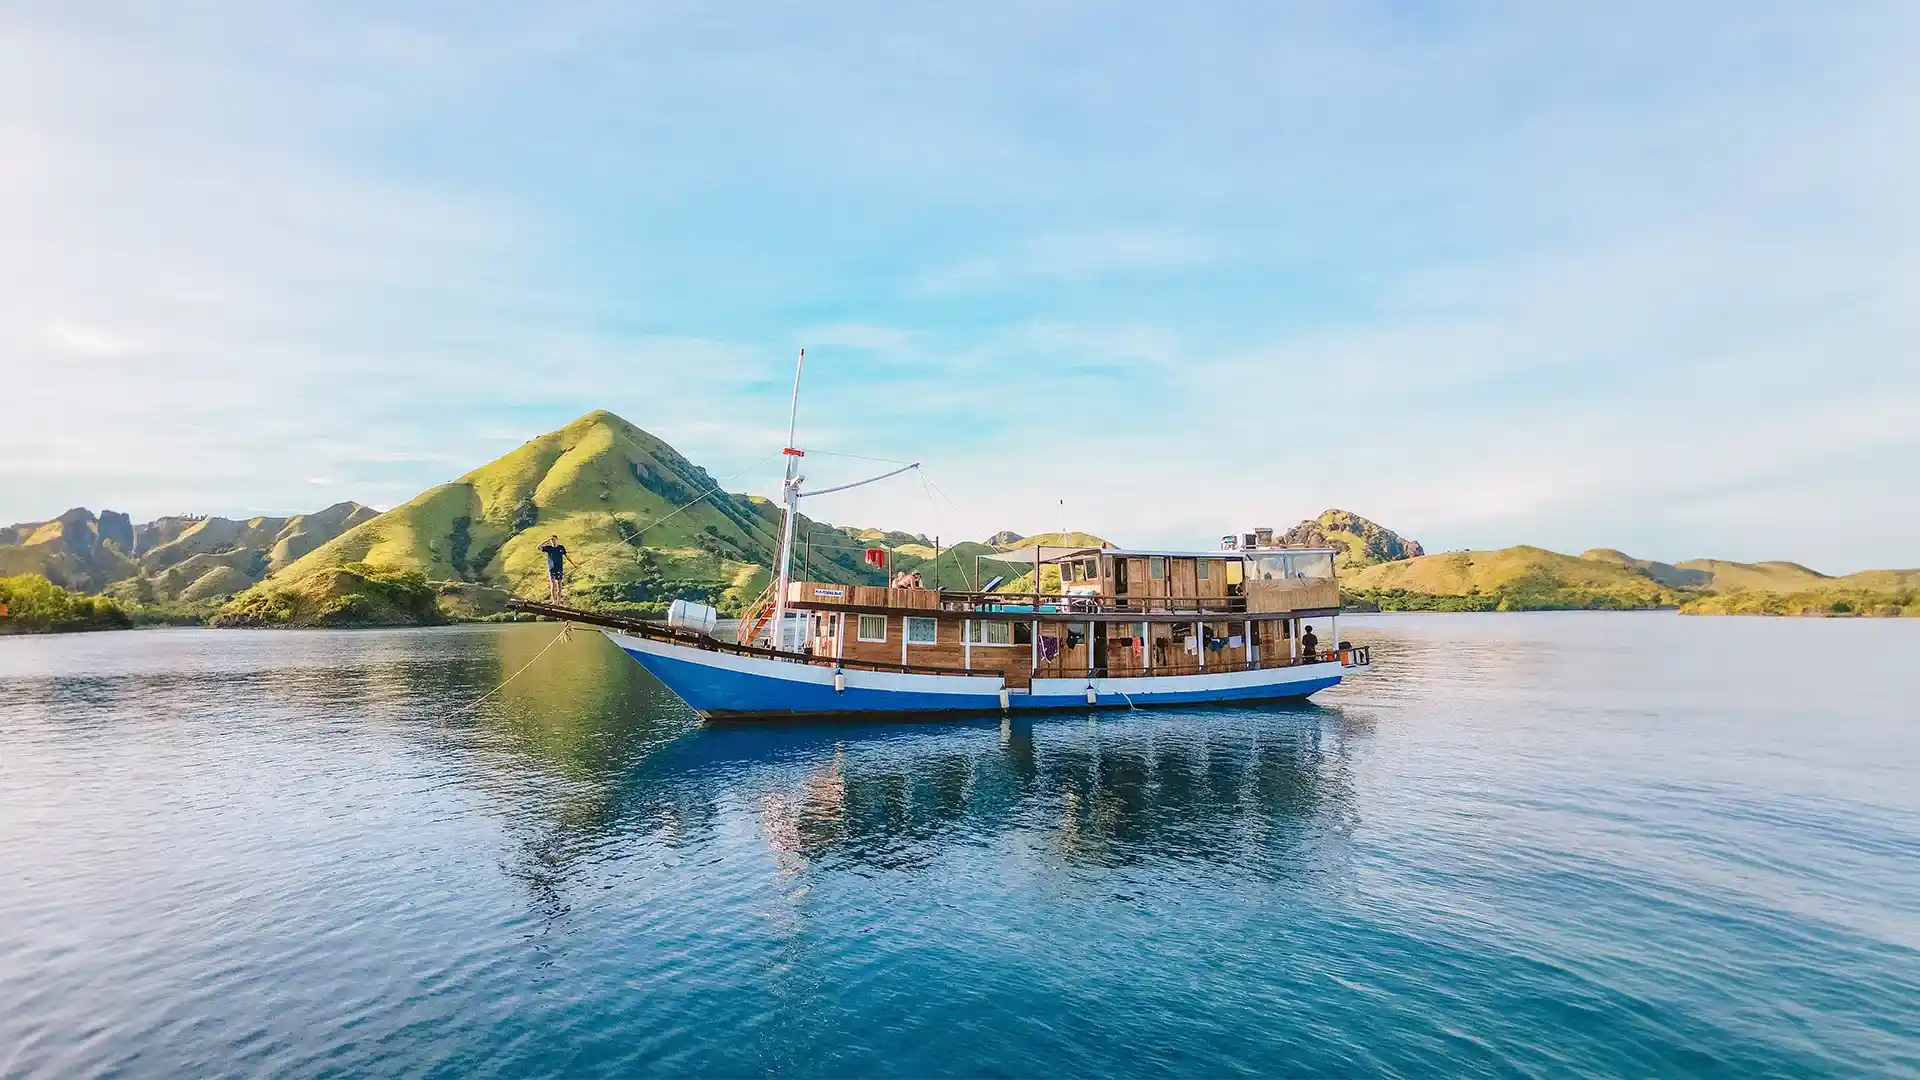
[{"x": 644, "y": 527}]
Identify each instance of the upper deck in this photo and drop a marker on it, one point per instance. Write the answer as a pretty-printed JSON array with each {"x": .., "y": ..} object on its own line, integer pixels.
[{"x": 1119, "y": 585}]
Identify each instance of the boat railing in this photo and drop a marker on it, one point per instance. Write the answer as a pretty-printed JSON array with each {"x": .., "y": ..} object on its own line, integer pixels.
[
  {"x": 1083, "y": 604},
  {"x": 1345, "y": 658},
  {"x": 659, "y": 632}
]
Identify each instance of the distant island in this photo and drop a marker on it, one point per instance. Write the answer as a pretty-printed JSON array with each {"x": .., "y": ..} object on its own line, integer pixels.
[{"x": 645, "y": 526}]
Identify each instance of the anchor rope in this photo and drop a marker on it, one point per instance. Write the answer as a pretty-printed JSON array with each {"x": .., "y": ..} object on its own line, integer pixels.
[{"x": 565, "y": 631}]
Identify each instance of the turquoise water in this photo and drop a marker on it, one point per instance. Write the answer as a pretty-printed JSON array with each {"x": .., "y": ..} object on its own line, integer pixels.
[{"x": 1554, "y": 845}]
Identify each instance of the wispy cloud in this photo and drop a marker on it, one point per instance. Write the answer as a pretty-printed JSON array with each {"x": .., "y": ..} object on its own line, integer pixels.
[
  {"x": 1284, "y": 258},
  {"x": 1072, "y": 257}
]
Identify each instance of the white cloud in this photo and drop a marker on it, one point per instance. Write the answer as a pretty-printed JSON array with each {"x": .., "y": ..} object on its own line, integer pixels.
[
  {"x": 1071, "y": 256},
  {"x": 76, "y": 339},
  {"x": 1664, "y": 299}
]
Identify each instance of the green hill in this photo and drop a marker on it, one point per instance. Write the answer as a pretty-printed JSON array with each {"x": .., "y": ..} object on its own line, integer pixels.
[
  {"x": 1359, "y": 542},
  {"x": 187, "y": 561},
  {"x": 1509, "y": 579},
  {"x": 1531, "y": 578},
  {"x": 30, "y": 604},
  {"x": 644, "y": 527},
  {"x": 1057, "y": 539},
  {"x": 628, "y": 507},
  {"x": 70, "y": 551},
  {"x": 1773, "y": 577},
  {"x": 1783, "y": 588}
]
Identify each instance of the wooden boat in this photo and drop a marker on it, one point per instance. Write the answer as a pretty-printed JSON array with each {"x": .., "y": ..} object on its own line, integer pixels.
[{"x": 1125, "y": 628}]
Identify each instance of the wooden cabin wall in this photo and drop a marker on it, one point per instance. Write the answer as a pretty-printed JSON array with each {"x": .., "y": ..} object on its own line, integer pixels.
[
  {"x": 1071, "y": 661},
  {"x": 1165, "y": 654},
  {"x": 948, "y": 649},
  {"x": 863, "y": 595},
  {"x": 1007, "y": 659},
  {"x": 1215, "y": 583},
  {"x": 1180, "y": 578},
  {"x": 1125, "y": 659},
  {"x": 1277, "y": 596}
]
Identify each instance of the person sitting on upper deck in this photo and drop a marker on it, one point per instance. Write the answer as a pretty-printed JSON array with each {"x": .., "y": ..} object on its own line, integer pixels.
[
  {"x": 1308, "y": 644},
  {"x": 907, "y": 580}
]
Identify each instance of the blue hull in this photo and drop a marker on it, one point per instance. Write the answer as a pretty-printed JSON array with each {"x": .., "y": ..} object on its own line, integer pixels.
[{"x": 724, "y": 685}]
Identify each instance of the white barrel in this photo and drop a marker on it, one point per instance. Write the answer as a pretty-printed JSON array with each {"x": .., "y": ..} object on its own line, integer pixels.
[{"x": 688, "y": 615}]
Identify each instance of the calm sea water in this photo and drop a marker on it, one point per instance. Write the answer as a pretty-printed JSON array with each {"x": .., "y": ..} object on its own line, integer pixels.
[{"x": 1552, "y": 845}]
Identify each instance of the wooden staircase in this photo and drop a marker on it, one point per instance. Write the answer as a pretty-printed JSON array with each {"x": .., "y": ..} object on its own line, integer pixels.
[{"x": 757, "y": 616}]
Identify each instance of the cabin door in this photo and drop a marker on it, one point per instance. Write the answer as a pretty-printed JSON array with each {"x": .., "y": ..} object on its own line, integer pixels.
[{"x": 1100, "y": 649}]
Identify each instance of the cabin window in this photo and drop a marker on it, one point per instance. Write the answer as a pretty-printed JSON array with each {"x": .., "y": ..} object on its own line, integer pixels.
[
  {"x": 1234, "y": 572},
  {"x": 1267, "y": 567},
  {"x": 922, "y": 631},
  {"x": 873, "y": 628},
  {"x": 1091, "y": 568},
  {"x": 1022, "y": 633},
  {"x": 1201, "y": 573},
  {"x": 990, "y": 633},
  {"x": 1157, "y": 567},
  {"x": 1310, "y": 566}
]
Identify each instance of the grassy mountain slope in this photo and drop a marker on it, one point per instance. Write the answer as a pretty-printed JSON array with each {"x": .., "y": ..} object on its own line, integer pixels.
[
  {"x": 1509, "y": 579},
  {"x": 1058, "y": 539},
  {"x": 1780, "y": 588},
  {"x": 612, "y": 493},
  {"x": 1363, "y": 543},
  {"x": 1531, "y": 578},
  {"x": 1781, "y": 577},
  {"x": 178, "y": 560},
  {"x": 68, "y": 551}
]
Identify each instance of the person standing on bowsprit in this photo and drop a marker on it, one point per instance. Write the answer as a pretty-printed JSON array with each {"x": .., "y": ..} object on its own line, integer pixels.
[{"x": 557, "y": 559}]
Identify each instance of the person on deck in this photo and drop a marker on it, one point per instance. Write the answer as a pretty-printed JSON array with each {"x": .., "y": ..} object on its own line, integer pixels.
[
  {"x": 556, "y": 568},
  {"x": 1308, "y": 644}
]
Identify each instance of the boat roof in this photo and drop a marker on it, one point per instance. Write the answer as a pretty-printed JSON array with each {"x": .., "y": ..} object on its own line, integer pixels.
[
  {"x": 1051, "y": 554},
  {"x": 1221, "y": 553}
]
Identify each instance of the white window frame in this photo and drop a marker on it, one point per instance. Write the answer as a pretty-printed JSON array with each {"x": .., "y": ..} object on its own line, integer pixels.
[
  {"x": 860, "y": 629},
  {"x": 977, "y": 634},
  {"x": 910, "y": 621}
]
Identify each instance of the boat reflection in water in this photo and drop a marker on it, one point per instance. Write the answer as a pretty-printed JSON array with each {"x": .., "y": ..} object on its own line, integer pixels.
[
  {"x": 1268, "y": 792},
  {"x": 588, "y": 761}
]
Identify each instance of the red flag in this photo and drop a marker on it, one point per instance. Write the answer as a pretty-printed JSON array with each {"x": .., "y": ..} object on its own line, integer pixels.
[{"x": 877, "y": 557}]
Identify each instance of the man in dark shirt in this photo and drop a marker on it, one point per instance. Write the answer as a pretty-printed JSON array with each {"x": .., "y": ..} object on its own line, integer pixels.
[
  {"x": 556, "y": 567},
  {"x": 1309, "y": 644}
]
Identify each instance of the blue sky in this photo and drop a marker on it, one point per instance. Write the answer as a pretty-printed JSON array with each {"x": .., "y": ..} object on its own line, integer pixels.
[{"x": 1489, "y": 274}]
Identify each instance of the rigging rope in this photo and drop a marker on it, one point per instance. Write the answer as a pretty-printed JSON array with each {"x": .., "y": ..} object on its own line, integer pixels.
[
  {"x": 565, "y": 630},
  {"x": 860, "y": 457}
]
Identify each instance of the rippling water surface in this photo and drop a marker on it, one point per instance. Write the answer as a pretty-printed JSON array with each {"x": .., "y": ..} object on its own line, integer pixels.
[{"x": 1554, "y": 845}]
